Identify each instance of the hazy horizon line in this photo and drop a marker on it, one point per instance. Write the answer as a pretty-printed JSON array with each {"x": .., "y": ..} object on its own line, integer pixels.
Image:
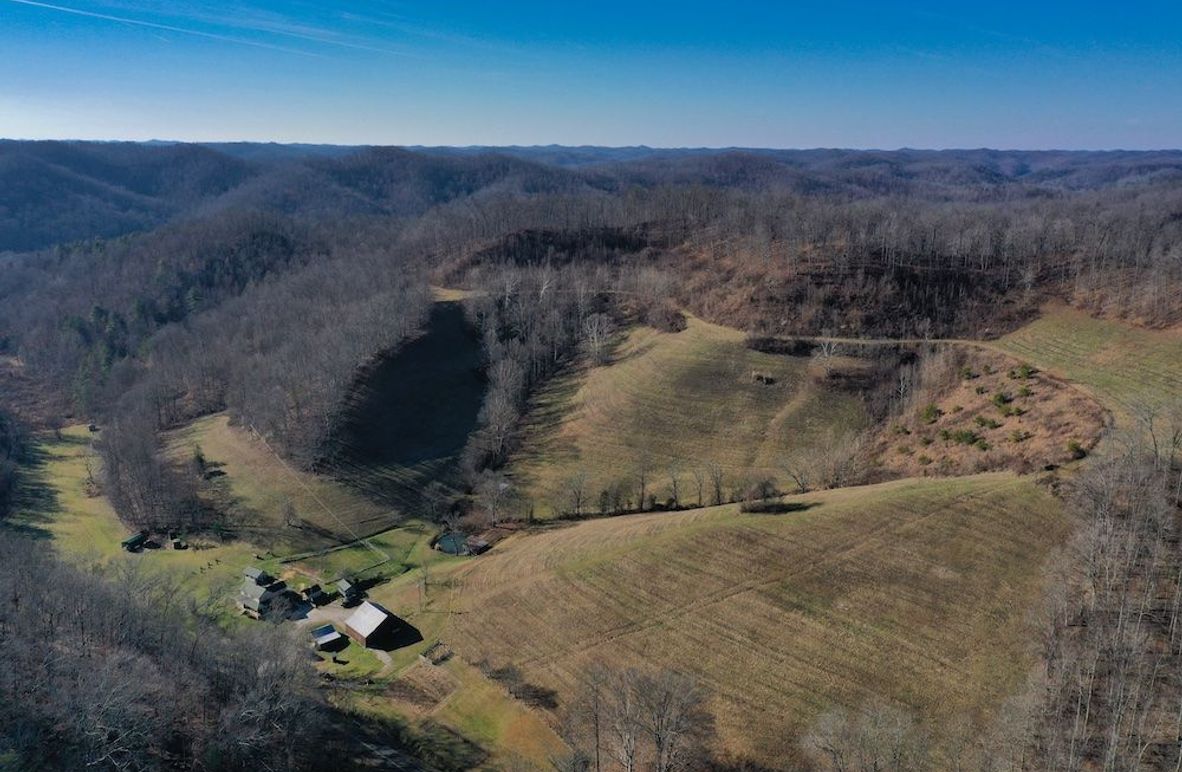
[{"x": 641, "y": 146}]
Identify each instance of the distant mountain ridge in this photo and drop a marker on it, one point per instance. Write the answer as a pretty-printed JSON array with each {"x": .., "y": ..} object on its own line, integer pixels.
[{"x": 54, "y": 192}]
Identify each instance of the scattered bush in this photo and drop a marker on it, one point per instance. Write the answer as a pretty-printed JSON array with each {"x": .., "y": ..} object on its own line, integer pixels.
[
  {"x": 1002, "y": 398},
  {"x": 931, "y": 413},
  {"x": 966, "y": 373},
  {"x": 981, "y": 444},
  {"x": 986, "y": 423},
  {"x": 1022, "y": 372},
  {"x": 924, "y": 460},
  {"x": 760, "y": 490},
  {"x": 965, "y": 437},
  {"x": 1018, "y": 435},
  {"x": 900, "y": 429},
  {"x": 980, "y": 389},
  {"x": 1024, "y": 391},
  {"x": 1076, "y": 450}
]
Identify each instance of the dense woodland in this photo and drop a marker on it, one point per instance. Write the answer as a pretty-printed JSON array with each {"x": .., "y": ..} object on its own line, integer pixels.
[
  {"x": 149, "y": 285},
  {"x": 91, "y": 678}
]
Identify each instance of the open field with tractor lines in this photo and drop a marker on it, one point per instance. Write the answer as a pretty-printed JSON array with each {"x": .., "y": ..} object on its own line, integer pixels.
[
  {"x": 917, "y": 592},
  {"x": 672, "y": 402},
  {"x": 1123, "y": 366},
  {"x": 923, "y": 593}
]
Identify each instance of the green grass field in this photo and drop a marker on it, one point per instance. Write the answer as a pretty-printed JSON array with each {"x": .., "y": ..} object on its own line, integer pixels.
[
  {"x": 916, "y": 592},
  {"x": 55, "y": 504},
  {"x": 259, "y": 487},
  {"x": 675, "y": 401},
  {"x": 1122, "y": 365}
]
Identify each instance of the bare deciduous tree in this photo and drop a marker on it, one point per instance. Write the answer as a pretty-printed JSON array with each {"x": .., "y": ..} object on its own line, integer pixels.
[
  {"x": 576, "y": 492},
  {"x": 717, "y": 478}
]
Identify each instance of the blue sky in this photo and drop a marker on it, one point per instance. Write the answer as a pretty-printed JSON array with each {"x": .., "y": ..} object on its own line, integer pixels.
[{"x": 823, "y": 73}]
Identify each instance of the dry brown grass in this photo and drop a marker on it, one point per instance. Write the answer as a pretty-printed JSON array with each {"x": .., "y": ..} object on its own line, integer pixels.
[
  {"x": 1051, "y": 415},
  {"x": 1124, "y": 366},
  {"x": 679, "y": 401},
  {"x": 916, "y": 592}
]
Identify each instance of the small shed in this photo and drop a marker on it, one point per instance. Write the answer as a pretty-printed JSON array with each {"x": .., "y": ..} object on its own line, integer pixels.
[
  {"x": 326, "y": 637},
  {"x": 348, "y": 590},
  {"x": 372, "y": 625},
  {"x": 135, "y": 541},
  {"x": 315, "y": 595},
  {"x": 255, "y": 600},
  {"x": 257, "y": 575}
]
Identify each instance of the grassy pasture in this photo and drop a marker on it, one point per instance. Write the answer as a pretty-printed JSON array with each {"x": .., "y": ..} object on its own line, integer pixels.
[
  {"x": 55, "y": 505},
  {"x": 259, "y": 487},
  {"x": 1124, "y": 366},
  {"x": 915, "y": 591},
  {"x": 679, "y": 400}
]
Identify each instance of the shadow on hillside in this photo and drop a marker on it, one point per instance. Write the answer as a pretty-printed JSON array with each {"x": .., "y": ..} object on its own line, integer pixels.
[
  {"x": 411, "y": 413},
  {"x": 359, "y": 741},
  {"x": 543, "y": 422},
  {"x": 776, "y": 507},
  {"x": 35, "y": 501}
]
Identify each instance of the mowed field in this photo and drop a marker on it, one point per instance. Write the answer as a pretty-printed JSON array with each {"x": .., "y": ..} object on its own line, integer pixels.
[
  {"x": 676, "y": 402},
  {"x": 259, "y": 488},
  {"x": 1123, "y": 366},
  {"x": 916, "y": 592}
]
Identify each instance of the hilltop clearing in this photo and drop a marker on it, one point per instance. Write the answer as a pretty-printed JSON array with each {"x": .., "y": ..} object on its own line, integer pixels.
[
  {"x": 687, "y": 405},
  {"x": 985, "y": 411}
]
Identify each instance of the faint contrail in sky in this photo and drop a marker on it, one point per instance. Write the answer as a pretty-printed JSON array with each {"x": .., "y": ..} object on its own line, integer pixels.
[{"x": 166, "y": 27}]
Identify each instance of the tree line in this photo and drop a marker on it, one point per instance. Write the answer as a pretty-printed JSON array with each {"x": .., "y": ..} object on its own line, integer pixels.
[
  {"x": 633, "y": 719},
  {"x": 1113, "y": 646}
]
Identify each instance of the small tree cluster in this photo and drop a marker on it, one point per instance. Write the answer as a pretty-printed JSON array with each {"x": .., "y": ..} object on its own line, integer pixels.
[{"x": 632, "y": 720}]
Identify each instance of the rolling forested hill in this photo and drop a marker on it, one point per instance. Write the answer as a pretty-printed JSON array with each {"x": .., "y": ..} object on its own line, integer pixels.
[{"x": 320, "y": 358}]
